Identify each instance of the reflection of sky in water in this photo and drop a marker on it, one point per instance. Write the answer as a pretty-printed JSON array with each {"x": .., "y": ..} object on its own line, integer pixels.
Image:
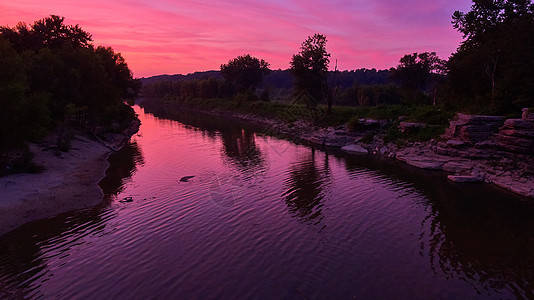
[{"x": 257, "y": 221}]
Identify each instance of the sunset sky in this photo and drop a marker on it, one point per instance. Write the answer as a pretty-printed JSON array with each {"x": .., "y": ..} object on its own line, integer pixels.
[{"x": 170, "y": 36}]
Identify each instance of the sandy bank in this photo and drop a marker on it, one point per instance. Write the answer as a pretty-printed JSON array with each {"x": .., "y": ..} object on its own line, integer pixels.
[{"x": 69, "y": 182}]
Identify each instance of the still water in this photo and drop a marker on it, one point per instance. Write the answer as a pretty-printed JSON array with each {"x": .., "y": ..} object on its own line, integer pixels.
[{"x": 270, "y": 219}]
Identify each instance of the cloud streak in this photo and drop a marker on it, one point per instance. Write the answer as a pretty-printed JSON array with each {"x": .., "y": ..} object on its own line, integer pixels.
[{"x": 169, "y": 36}]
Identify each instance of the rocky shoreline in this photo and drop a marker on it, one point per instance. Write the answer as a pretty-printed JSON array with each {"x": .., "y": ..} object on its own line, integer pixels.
[
  {"x": 69, "y": 182},
  {"x": 487, "y": 149}
]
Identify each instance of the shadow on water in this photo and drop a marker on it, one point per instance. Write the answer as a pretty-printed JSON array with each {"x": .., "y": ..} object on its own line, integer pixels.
[
  {"x": 306, "y": 187},
  {"x": 473, "y": 232},
  {"x": 22, "y": 263},
  {"x": 239, "y": 146},
  {"x": 123, "y": 164},
  {"x": 238, "y": 138}
]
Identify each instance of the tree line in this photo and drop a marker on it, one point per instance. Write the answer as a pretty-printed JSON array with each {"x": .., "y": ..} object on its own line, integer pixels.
[
  {"x": 52, "y": 76},
  {"x": 492, "y": 70}
]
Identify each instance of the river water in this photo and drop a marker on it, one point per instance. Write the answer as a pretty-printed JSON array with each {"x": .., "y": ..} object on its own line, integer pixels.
[{"x": 271, "y": 219}]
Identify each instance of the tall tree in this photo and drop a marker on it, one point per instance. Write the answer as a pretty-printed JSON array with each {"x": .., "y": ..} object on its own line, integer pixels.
[
  {"x": 418, "y": 73},
  {"x": 51, "y": 74},
  {"x": 49, "y": 32},
  {"x": 244, "y": 72},
  {"x": 495, "y": 63},
  {"x": 310, "y": 69}
]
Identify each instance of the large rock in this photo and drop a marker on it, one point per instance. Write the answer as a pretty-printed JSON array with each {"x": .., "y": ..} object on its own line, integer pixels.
[
  {"x": 473, "y": 129},
  {"x": 432, "y": 162},
  {"x": 458, "y": 166},
  {"x": 518, "y": 123},
  {"x": 355, "y": 149},
  {"x": 465, "y": 178}
]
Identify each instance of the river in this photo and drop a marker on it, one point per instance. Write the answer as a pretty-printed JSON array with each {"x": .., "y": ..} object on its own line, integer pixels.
[{"x": 268, "y": 218}]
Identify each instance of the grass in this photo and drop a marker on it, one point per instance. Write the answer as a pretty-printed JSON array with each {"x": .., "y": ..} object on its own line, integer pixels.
[{"x": 437, "y": 118}]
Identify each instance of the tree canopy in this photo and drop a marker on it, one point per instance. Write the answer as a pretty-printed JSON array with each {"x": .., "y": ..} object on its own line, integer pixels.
[
  {"x": 495, "y": 63},
  {"x": 244, "y": 72},
  {"x": 418, "y": 74},
  {"x": 51, "y": 72},
  {"x": 310, "y": 68}
]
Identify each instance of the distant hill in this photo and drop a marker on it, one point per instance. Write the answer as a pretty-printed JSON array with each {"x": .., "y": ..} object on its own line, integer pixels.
[
  {"x": 180, "y": 77},
  {"x": 282, "y": 79}
]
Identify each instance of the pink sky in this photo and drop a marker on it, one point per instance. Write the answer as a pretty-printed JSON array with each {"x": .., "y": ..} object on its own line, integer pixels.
[{"x": 170, "y": 37}]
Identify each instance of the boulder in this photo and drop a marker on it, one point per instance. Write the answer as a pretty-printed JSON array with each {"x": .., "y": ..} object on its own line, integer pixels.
[
  {"x": 354, "y": 149},
  {"x": 455, "y": 143},
  {"x": 423, "y": 162},
  {"x": 458, "y": 166},
  {"x": 518, "y": 123},
  {"x": 335, "y": 141}
]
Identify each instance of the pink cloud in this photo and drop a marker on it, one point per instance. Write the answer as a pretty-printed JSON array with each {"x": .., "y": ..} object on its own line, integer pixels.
[{"x": 168, "y": 36}]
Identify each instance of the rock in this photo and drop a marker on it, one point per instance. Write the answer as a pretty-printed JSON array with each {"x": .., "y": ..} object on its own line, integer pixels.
[
  {"x": 126, "y": 200},
  {"x": 369, "y": 122},
  {"x": 383, "y": 150},
  {"x": 186, "y": 178},
  {"x": 313, "y": 140},
  {"x": 458, "y": 166},
  {"x": 423, "y": 162},
  {"x": 335, "y": 141},
  {"x": 518, "y": 123},
  {"x": 455, "y": 143},
  {"x": 465, "y": 178},
  {"x": 517, "y": 132},
  {"x": 354, "y": 149},
  {"x": 529, "y": 116},
  {"x": 486, "y": 144},
  {"x": 473, "y": 129}
]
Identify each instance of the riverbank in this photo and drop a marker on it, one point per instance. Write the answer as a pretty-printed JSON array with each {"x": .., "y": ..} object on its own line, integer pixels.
[
  {"x": 69, "y": 180},
  {"x": 461, "y": 161}
]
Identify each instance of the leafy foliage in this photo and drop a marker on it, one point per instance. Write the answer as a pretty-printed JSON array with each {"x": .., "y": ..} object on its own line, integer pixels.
[
  {"x": 419, "y": 75},
  {"x": 52, "y": 75},
  {"x": 244, "y": 72},
  {"x": 310, "y": 68},
  {"x": 494, "y": 65}
]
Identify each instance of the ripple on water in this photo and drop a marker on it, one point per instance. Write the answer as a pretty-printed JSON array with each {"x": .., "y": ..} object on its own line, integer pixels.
[{"x": 267, "y": 218}]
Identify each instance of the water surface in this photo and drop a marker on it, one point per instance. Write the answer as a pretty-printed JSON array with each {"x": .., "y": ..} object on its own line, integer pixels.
[{"x": 268, "y": 218}]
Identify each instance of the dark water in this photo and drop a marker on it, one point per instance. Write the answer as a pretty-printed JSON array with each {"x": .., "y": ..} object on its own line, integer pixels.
[{"x": 267, "y": 218}]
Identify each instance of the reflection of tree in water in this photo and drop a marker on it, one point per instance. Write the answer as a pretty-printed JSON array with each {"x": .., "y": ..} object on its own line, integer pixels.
[
  {"x": 306, "y": 189},
  {"x": 24, "y": 252},
  {"x": 471, "y": 232},
  {"x": 238, "y": 138},
  {"x": 239, "y": 145},
  {"x": 123, "y": 164},
  {"x": 486, "y": 242},
  {"x": 23, "y": 263}
]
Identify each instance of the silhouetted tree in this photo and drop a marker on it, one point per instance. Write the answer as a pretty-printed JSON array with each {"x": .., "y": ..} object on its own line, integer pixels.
[
  {"x": 244, "y": 72},
  {"x": 495, "y": 63},
  {"x": 417, "y": 73},
  {"x": 49, "y": 32},
  {"x": 310, "y": 69},
  {"x": 51, "y": 75}
]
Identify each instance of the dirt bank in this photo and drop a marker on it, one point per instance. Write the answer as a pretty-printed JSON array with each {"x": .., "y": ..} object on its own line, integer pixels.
[{"x": 69, "y": 182}]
